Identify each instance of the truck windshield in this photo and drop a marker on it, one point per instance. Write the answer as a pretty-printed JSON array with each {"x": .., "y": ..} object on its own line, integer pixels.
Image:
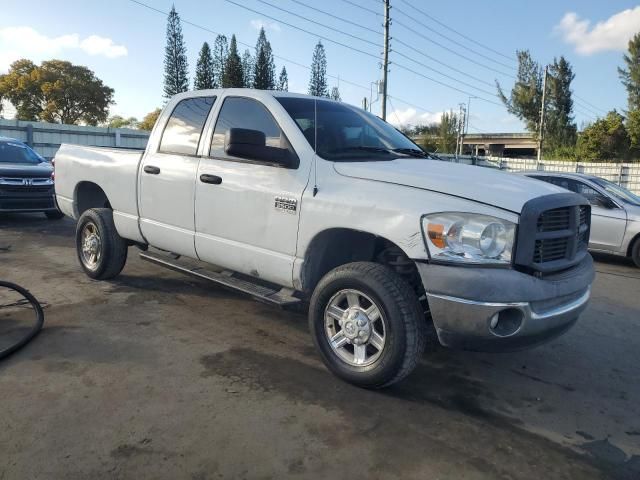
[
  {"x": 348, "y": 134},
  {"x": 618, "y": 192},
  {"x": 15, "y": 152}
]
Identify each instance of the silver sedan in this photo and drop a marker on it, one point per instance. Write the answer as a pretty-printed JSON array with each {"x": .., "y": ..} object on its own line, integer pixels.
[{"x": 615, "y": 212}]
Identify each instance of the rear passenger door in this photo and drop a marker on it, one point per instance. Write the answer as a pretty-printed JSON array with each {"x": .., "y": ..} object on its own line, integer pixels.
[{"x": 167, "y": 178}]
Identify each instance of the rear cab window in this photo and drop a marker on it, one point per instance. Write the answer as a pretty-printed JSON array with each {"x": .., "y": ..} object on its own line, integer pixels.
[{"x": 183, "y": 130}]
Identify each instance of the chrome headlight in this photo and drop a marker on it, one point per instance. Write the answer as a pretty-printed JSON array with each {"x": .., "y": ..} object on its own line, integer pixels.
[{"x": 468, "y": 238}]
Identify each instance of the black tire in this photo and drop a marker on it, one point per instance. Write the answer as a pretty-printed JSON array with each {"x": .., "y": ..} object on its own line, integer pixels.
[
  {"x": 54, "y": 215},
  {"x": 404, "y": 323},
  {"x": 635, "y": 252},
  {"x": 111, "y": 249}
]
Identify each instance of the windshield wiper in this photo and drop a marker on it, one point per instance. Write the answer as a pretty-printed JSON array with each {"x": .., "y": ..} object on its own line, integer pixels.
[
  {"x": 412, "y": 152},
  {"x": 361, "y": 148}
]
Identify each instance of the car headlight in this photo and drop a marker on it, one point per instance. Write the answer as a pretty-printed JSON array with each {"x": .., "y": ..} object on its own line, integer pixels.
[{"x": 468, "y": 238}]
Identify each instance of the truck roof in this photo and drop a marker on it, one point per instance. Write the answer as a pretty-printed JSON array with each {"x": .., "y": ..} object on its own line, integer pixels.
[{"x": 244, "y": 91}]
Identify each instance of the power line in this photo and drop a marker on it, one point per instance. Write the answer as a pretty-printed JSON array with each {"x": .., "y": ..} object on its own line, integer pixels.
[
  {"x": 364, "y": 27},
  {"x": 462, "y": 72},
  {"x": 362, "y": 8},
  {"x": 450, "y": 50},
  {"x": 486, "y": 57},
  {"x": 444, "y": 84},
  {"x": 395, "y": 112},
  {"x": 342, "y": 32},
  {"x": 303, "y": 30},
  {"x": 590, "y": 104},
  {"x": 457, "y": 32},
  {"x": 443, "y": 74}
]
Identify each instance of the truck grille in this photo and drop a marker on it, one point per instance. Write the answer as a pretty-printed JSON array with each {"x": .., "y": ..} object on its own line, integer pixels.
[{"x": 553, "y": 239}]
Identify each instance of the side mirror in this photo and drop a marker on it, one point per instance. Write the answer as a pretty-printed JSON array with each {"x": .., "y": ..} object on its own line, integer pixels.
[
  {"x": 251, "y": 144},
  {"x": 603, "y": 202}
]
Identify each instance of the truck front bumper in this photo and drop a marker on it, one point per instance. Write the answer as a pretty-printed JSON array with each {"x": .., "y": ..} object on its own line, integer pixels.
[{"x": 491, "y": 309}]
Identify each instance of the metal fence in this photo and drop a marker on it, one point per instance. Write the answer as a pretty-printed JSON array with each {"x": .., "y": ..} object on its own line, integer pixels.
[
  {"x": 624, "y": 174},
  {"x": 46, "y": 138}
]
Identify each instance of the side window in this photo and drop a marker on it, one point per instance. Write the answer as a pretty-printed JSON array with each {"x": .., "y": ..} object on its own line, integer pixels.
[
  {"x": 246, "y": 113},
  {"x": 183, "y": 130},
  {"x": 594, "y": 197}
]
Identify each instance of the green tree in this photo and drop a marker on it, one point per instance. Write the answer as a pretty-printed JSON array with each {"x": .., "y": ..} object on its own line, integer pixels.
[
  {"x": 560, "y": 127},
  {"x": 606, "y": 139},
  {"x": 525, "y": 98},
  {"x": 247, "y": 69},
  {"x": 633, "y": 128},
  {"x": 318, "y": 82},
  {"x": 448, "y": 132},
  {"x": 335, "y": 94},
  {"x": 204, "y": 69},
  {"x": 233, "y": 69},
  {"x": 149, "y": 120},
  {"x": 283, "y": 80},
  {"x": 220, "y": 54},
  {"x": 630, "y": 75},
  {"x": 264, "y": 69},
  {"x": 18, "y": 87},
  {"x": 176, "y": 68},
  {"x": 118, "y": 121},
  {"x": 56, "y": 91}
]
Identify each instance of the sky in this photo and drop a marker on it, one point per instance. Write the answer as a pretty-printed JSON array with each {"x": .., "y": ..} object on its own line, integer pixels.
[{"x": 442, "y": 53}]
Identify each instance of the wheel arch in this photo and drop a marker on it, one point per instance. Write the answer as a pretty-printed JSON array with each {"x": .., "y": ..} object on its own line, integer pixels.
[
  {"x": 333, "y": 247},
  {"x": 632, "y": 244},
  {"x": 89, "y": 195}
]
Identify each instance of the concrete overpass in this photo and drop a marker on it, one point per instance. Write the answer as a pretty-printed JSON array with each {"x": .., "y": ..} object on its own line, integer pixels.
[
  {"x": 501, "y": 144},
  {"x": 496, "y": 144}
]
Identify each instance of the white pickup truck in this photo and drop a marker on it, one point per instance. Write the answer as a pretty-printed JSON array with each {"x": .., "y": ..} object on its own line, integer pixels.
[{"x": 302, "y": 199}]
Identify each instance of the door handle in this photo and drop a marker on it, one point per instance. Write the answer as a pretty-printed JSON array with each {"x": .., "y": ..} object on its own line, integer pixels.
[
  {"x": 213, "y": 179},
  {"x": 150, "y": 169}
]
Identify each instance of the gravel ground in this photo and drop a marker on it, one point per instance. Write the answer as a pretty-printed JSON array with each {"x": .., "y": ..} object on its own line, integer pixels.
[{"x": 157, "y": 375}]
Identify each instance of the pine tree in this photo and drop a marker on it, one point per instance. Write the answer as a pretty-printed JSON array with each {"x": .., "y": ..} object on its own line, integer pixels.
[
  {"x": 525, "y": 99},
  {"x": 204, "y": 70},
  {"x": 176, "y": 79},
  {"x": 318, "y": 81},
  {"x": 630, "y": 76},
  {"x": 283, "y": 80},
  {"x": 232, "y": 77},
  {"x": 560, "y": 127},
  {"x": 220, "y": 54},
  {"x": 264, "y": 71},
  {"x": 335, "y": 94},
  {"x": 247, "y": 69}
]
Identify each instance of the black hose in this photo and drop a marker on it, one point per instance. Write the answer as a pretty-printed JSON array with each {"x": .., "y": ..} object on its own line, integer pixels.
[{"x": 29, "y": 299}]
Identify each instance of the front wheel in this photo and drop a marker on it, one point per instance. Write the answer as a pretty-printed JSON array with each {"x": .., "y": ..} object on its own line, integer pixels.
[
  {"x": 367, "y": 324},
  {"x": 101, "y": 251}
]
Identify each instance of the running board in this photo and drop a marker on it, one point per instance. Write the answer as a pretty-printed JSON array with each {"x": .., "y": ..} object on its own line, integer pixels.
[{"x": 224, "y": 278}]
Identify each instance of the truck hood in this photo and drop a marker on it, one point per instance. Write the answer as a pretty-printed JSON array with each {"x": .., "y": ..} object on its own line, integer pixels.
[
  {"x": 479, "y": 184},
  {"x": 24, "y": 170}
]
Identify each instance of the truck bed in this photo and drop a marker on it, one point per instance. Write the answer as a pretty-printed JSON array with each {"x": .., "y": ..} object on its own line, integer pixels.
[{"x": 113, "y": 170}]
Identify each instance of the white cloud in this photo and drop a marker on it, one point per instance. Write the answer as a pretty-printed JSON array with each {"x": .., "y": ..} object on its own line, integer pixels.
[
  {"x": 267, "y": 25},
  {"x": 611, "y": 34},
  {"x": 411, "y": 117},
  {"x": 20, "y": 42}
]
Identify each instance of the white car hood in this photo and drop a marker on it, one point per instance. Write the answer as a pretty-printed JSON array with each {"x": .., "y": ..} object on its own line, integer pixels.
[{"x": 480, "y": 184}]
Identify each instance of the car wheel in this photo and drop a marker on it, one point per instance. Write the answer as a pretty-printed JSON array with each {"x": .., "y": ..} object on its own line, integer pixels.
[
  {"x": 635, "y": 252},
  {"x": 101, "y": 251},
  {"x": 54, "y": 215},
  {"x": 367, "y": 324}
]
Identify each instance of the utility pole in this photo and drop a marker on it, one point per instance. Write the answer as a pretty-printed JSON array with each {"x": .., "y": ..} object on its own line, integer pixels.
[
  {"x": 461, "y": 123},
  {"x": 542, "y": 112},
  {"x": 385, "y": 59}
]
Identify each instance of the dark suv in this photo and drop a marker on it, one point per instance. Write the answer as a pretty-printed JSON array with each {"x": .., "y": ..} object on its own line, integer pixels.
[{"x": 26, "y": 180}]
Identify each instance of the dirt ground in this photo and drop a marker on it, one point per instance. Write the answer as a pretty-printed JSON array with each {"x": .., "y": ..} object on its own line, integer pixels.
[{"x": 157, "y": 375}]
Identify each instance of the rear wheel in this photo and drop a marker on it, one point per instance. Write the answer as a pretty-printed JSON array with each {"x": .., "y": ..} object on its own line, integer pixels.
[
  {"x": 101, "y": 251},
  {"x": 635, "y": 252},
  {"x": 367, "y": 324}
]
